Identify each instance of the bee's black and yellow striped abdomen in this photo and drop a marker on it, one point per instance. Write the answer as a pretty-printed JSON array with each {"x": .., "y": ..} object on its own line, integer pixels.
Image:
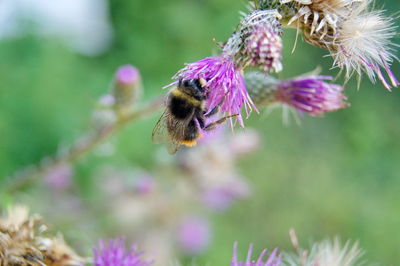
[{"x": 182, "y": 105}]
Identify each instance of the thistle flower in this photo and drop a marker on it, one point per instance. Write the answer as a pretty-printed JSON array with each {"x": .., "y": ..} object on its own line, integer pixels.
[
  {"x": 23, "y": 241},
  {"x": 312, "y": 95},
  {"x": 114, "y": 253},
  {"x": 225, "y": 84},
  {"x": 194, "y": 235},
  {"x": 271, "y": 260},
  {"x": 309, "y": 94}
]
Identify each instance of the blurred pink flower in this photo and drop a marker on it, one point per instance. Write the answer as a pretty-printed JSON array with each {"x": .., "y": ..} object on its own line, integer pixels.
[
  {"x": 144, "y": 185},
  {"x": 127, "y": 74},
  {"x": 194, "y": 235}
]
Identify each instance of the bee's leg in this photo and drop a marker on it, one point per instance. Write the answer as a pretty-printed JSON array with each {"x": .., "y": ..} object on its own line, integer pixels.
[
  {"x": 200, "y": 120},
  {"x": 212, "y": 125},
  {"x": 213, "y": 111},
  {"x": 216, "y": 108}
]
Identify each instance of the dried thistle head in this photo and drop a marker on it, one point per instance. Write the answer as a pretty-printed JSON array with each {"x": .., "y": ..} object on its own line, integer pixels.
[
  {"x": 23, "y": 242},
  {"x": 364, "y": 45},
  {"x": 358, "y": 39}
]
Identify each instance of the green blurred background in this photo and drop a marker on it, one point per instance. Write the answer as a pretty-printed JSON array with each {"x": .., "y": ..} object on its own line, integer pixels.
[{"x": 336, "y": 175}]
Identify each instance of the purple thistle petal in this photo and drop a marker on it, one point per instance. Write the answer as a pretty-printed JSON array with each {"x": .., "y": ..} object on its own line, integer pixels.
[
  {"x": 377, "y": 69},
  {"x": 312, "y": 95},
  {"x": 272, "y": 260},
  {"x": 113, "y": 253},
  {"x": 225, "y": 84}
]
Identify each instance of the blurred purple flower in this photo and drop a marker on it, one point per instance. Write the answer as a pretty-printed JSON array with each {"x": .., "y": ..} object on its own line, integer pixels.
[
  {"x": 59, "y": 176},
  {"x": 312, "y": 95},
  {"x": 114, "y": 253},
  {"x": 194, "y": 235},
  {"x": 225, "y": 84},
  {"x": 144, "y": 185},
  {"x": 272, "y": 260}
]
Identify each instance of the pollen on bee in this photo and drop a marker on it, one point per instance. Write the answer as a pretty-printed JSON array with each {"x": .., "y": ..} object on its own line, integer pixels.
[{"x": 189, "y": 143}]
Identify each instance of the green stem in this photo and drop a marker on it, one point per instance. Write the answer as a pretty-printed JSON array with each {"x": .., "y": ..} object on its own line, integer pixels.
[{"x": 82, "y": 146}]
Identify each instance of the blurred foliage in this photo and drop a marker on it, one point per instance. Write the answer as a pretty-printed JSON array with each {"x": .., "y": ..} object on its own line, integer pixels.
[{"x": 337, "y": 175}]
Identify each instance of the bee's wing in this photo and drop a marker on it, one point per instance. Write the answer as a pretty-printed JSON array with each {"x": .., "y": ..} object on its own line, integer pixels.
[
  {"x": 160, "y": 131},
  {"x": 172, "y": 139},
  {"x": 161, "y": 135},
  {"x": 172, "y": 147}
]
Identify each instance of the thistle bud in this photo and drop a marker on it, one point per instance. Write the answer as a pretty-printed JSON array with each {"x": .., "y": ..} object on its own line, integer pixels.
[
  {"x": 127, "y": 87},
  {"x": 264, "y": 49},
  {"x": 262, "y": 88},
  {"x": 260, "y": 32}
]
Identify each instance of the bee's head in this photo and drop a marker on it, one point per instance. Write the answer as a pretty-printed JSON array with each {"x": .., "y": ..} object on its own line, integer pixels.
[{"x": 193, "y": 87}]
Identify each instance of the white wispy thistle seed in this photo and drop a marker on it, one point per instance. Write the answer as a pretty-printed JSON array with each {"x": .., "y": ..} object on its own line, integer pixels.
[{"x": 364, "y": 45}]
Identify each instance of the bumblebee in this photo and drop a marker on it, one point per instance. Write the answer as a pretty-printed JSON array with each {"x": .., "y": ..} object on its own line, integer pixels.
[{"x": 185, "y": 116}]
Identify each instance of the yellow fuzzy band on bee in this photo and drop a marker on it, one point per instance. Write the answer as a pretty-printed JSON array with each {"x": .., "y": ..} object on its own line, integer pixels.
[
  {"x": 189, "y": 143},
  {"x": 180, "y": 94}
]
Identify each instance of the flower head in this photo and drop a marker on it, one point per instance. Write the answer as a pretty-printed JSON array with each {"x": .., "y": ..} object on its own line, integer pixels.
[
  {"x": 271, "y": 260},
  {"x": 114, "y": 253},
  {"x": 311, "y": 95},
  {"x": 225, "y": 84}
]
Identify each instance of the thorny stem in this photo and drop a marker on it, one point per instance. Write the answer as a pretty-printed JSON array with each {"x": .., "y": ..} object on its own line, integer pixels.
[{"x": 82, "y": 146}]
